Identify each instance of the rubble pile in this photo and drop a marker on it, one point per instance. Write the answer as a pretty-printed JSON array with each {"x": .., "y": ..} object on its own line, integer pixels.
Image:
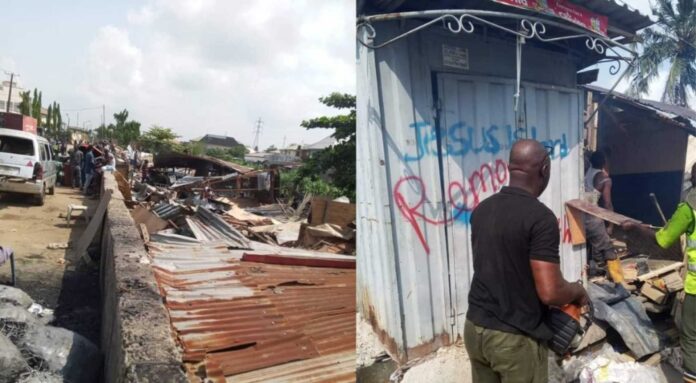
[
  {"x": 174, "y": 209},
  {"x": 33, "y": 351},
  {"x": 249, "y": 296},
  {"x": 634, "y": 332}
]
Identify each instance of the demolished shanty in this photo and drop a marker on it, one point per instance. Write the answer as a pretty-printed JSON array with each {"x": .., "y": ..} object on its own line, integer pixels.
[{"x": 246, "y": 302}]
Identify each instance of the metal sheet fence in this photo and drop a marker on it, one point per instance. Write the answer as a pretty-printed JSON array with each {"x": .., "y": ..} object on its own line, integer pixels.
[{"x": 431, "y": 146}]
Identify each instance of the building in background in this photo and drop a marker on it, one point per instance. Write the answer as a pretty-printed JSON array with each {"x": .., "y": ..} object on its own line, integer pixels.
[
  {"x": 308, "y": 151},
  {"x": 16, "y": 98},
  {"x": 214, "y": 141}
]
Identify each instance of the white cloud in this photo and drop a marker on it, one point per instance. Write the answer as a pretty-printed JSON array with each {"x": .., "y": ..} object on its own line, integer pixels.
[{"x": 207, "y": 66}]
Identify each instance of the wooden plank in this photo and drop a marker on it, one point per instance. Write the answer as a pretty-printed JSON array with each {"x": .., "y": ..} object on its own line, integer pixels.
[
  {"x": 340, "y": 213},
  {"x": 327, "y": 211},
  {"x": 660, "y": 271},
  {"x": 599, "y": 212},
  {"x": 576, "y": 226},
  {"x": 318, "y": 210},
  {"x": 94, "y": 224},
  {"x": 145, "y": 234},
  {"x": 153, "y": 223},
  {"x": 653, "y": 293}
]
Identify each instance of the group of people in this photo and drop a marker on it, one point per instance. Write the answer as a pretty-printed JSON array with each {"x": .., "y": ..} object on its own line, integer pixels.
[
  {"x": 88, "y": 162},
  {"x": 517, "y": 276}
]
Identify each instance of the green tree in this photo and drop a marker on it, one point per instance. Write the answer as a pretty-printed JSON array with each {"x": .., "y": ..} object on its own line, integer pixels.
[
  {"x": 49, "y": 122},
  {"x": 25, "y": 104},
  {"x": 159, "y": 140},
  {"x": 36, "y": 106},
  {"x": 271, "y": 149},
  {"x": 670, "y": 43},
  {"x": 335, "y": 165}
]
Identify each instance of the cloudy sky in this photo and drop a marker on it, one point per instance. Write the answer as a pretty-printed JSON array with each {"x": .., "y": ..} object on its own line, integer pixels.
[
  {"x": 607, "y": 80},
  {"x": 196, "y": 66}
]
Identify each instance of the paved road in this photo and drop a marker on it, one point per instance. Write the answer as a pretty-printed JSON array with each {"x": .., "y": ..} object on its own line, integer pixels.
[{"x": 53, "y": 278}]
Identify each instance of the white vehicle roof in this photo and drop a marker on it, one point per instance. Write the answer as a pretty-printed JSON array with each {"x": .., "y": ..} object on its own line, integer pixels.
[{"x": 20, "y": 133}]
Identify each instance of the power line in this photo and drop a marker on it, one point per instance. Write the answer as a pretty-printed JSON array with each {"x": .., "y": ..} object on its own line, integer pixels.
[
  {"x": 9, "y": 95},
  {"x": 257, "y": 134}
]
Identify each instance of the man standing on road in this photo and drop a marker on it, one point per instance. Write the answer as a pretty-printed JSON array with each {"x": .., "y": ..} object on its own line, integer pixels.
[
  {"x": 515, "y": 241},
  {"x": 77, "y": 165},
  {"x": 683, "y": 221}
]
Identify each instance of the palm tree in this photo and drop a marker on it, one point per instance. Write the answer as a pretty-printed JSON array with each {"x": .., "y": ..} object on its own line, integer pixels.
[{"x": 670, "y": 42}]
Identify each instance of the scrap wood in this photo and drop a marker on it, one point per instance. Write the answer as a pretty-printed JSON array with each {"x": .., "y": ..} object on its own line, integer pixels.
[
  {"x": 153, "y": 223},
  {"x": 300, "y": 259},
  {"x": 284, "y": 232},
  {"x": 575, "y": 210},
  {"x": 94, "y": 224},
  {"x": 327, "y": 211},
  {"x": 240, "y": 215},
  {"x": 660, "y": 271},
  {"x": 328, "y": 230},
  {"x": 654, "y": 294}
]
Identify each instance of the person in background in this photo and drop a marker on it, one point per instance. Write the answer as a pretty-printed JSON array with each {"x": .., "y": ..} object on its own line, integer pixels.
[
  {"x": 597, "y": 185},
  {"x": 145, "y": 175},
  {"x": 683, "y": 221},
  {"x": 77, "y": 165},
  {"x": 89, "y": 168},
  {"x": 517, "y": 275}
]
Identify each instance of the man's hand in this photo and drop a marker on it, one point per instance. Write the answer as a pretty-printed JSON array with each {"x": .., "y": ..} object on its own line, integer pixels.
[{"x": 583, "y": 299}]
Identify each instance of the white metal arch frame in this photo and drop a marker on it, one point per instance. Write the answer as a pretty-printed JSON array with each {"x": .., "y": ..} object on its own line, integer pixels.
[{"x": 529, "y": 27}]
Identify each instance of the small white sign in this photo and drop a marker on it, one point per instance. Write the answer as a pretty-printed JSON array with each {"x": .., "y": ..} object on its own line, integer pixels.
[{"x": 455, "y": 57}]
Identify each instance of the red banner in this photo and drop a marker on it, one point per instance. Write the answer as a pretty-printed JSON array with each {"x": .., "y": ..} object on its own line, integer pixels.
[{"x": 565, "y": 10}]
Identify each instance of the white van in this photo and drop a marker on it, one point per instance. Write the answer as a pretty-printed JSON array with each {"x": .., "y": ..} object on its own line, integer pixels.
[{"x": 26, "y": 164}]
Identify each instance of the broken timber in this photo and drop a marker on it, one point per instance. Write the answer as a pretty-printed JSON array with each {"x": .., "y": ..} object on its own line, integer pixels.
[{"x": 575, "y": 209}]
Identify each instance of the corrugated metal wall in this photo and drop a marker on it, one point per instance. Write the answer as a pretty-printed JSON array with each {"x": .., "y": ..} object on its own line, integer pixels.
[{"x": 419, "y": 177}]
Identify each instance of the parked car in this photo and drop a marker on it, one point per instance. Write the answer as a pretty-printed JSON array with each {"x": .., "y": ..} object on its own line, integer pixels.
[{"x": 26, "y": 164}]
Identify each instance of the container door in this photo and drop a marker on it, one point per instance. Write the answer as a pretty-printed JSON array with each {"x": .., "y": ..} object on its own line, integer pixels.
[{"x": 478, "y": 125}]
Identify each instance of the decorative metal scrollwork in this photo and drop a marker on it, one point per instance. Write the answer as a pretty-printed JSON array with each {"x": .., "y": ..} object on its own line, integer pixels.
[{"x": 464, "y": 21}]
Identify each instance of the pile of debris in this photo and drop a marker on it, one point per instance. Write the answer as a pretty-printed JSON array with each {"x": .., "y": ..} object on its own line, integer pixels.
[
  {"x": 254, "y": 291},
  {"x": 633, "y": 335},
  {"x": 31, "y": 351}
]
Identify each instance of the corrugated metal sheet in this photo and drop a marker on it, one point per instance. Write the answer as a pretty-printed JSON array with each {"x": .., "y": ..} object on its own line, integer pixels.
[
  {"x": 418, "y": 177},
  {"x": 240, "y": 317},
  {"x": 208, "y": 226}
]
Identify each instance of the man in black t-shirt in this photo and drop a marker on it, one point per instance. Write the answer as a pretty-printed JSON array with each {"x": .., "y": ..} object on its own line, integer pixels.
[{"x": 515, "y": 241}]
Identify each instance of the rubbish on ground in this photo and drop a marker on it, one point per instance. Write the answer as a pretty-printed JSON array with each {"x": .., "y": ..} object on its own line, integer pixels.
[
  {"x": 62, "y": 351},
  {"x": 615, "y": 306},
  {"x": 15, "y": 296},
  {"x": 89, "y": 233},
  {"x": 58, "y": 245},
  {"x": 15, "y": 320},
  {"x": 608, "y": 366},
  {"x": 284, "y": 232},
  {"x": 40, "y": 377},
  {"x": 44, "y": 314},
  {"x": 11, "y": 361},
  {"x": 153, "y": 223}
]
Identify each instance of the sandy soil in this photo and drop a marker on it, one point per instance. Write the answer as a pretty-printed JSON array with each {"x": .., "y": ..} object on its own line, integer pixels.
[
  {"x": 448, "y": 365},
  {"x": 53, "y": 278}
]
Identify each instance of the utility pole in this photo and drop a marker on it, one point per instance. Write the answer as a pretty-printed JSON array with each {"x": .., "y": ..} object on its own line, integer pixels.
[
  {"x": 103, "y": 115},
  {"x": 257, "y": 133},
  {"x": 284, "y": 138},
  {"x": 9, "y": 96}
]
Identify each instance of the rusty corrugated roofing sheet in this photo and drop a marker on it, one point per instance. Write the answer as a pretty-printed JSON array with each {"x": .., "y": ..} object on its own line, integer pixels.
[{"x": 255, "y": 321}]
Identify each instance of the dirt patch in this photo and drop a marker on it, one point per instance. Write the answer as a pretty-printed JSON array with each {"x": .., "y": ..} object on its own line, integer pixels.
[{"x": 53, "y": 278}]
